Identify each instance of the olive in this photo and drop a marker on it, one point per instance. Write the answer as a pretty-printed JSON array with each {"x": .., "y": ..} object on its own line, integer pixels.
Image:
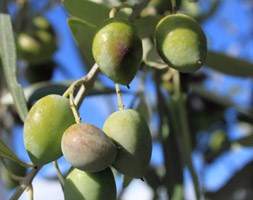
[
  {"x": 88, "y": 148},
  {"x": 181, "y": 42},
  {"x": 117, "y": 50},
  {"x": 80, "y": 185},
  {"x": 36, "y": 46},
  {"x": 130, "y": 132},
  {"x": 38, "y": 43},
  {"x": 44, "y": 126}
]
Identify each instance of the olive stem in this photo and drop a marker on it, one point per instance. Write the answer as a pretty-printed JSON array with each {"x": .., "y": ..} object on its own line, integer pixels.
[
  {"x": 118, "y": 92},
  {"x": 174, "y": 6},
  {"x": 87, "y": 83},
  {"x": 184, "y": 129},
  {"x": 118, "y": 8},
  {"x": 59, "y": 174},
  {"x": 30, "y": 187},
  {"x": 72, "y": 87},
  {"x": 74, "y": 108},
  {"x": 137, "y": 10},
  {"x": 26, "y": 182}
]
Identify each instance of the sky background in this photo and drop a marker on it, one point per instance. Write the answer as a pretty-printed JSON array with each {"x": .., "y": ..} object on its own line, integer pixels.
[{"x": 230, "y": 30}]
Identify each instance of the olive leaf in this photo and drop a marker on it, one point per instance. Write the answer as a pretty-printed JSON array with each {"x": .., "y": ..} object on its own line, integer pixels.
[
  {"x": 229, "y": 64},
  {"x": 246, "y": 141},
  {"x": 83, "y": 33},
  {"x": 9, "y": 58},
  {"x": 38, "y": 90},
  {"x": 6, "y": 152},
  {"x": 146, "y": 25},
  {"x": 88, "y": 10},
  {"x": 144, "y": 109},
  {"x": 126, "y": 180}
]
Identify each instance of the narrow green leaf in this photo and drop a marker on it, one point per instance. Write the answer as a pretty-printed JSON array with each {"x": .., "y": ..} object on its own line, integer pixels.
[
  {"x": 146, "y": 25},
  {"x": 6, "y": 152},
  {"x": 223, "y": 101},
  {"x": 83, "y": 33},
  {"x": 9, "y": 57},
  {"x": 87, "y": 10},
  {"x": 143, "y": 108},
  {"x": 38, "y": 90},
  {"x": 246, "y": 141},
  {"x": 229, "y": 65},
  {"x": 126, "y": 180}
]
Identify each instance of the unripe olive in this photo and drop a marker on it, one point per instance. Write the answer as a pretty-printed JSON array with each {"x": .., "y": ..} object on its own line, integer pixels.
[
  {"x": 38, "y": 43},
  {"x": 117, "y": 50},
  {"x": 37, "y": 46},
  {"x": 42, "y": 23},
  {"x": 130, "y": 132},
  {"x": 181, "y": 42},
  {"x": 80, "y": 185},
  {"x": 88, "y": 148},
  {"x": 44, "y": 126}
]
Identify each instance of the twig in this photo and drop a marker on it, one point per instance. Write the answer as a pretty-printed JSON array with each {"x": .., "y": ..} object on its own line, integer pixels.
[
  {"x": 30, "y": 187},
  {"x": 88, "y": 82},
  {"x": 26, "y": 182},
  {"x": 120, "y": 102},
  {"x": 59, "y": 174}
]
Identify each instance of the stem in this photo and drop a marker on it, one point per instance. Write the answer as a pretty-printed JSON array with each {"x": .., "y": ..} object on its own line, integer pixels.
[
  {"x": 184, "y": 129},
  {"x": 174, "y": 6},
  {"x": 59, "y": 174},
  {"x": 74, "y": 108},
  {"x": 72, "y": 87},
  {"x": 116, "y": 9},
  {"x": 26, "y": 182},
  {"x": 87, "y": 84},
  {"x": 120, "y": 102},
  {"x": 30, "y": 187},
  {"x": 137, "y": 10}
]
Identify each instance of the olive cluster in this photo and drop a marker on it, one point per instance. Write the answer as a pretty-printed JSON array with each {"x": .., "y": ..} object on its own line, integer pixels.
[{"x": 124, "y": 142}]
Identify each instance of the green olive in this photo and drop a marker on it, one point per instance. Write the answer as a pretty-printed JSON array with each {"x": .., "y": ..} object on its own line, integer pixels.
[
  {"x": 80, "y": 185},
  {"x": 36, "y": 46},
  {"x": 88, "y": 148},
  {"x": 44, "y": 126},
  {"x": 131, "y": 134},
  {"x": 181, "y": 42},
  {"x": 117, "y": 50},
  {"x": 38, "y": 43}
]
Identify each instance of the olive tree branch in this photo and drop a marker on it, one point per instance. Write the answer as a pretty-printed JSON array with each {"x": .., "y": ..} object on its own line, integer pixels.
[
  {"x": 87, "y": 83},
  {"x": 25, "y": 183}
]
